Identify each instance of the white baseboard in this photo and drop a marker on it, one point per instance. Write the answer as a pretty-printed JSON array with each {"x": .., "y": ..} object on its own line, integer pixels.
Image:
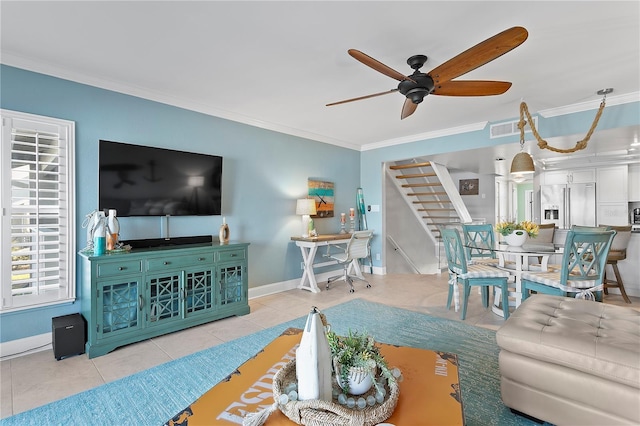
[
  {"x": 25, "y": 346},
  {"x": 265, "y": 290}
]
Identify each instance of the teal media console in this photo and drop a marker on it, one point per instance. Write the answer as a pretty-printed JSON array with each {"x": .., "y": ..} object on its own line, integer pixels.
[{"x": 132, "y": 296}]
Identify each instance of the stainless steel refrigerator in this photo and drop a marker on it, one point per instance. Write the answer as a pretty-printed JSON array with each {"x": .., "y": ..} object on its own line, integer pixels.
[{"x": 567, "y": 205}]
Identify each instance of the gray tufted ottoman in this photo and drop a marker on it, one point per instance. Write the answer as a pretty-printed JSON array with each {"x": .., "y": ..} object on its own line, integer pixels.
[{"x": 571, "y": 361}]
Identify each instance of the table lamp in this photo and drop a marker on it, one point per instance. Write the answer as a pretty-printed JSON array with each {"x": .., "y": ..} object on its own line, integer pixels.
[{"x": 305, "y": 207}]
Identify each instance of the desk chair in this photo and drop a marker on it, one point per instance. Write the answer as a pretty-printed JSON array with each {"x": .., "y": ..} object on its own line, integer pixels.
[
  {"x": 581, "y": 271},
  {"x": 618, "y": 251},
  {"x": 470, "y": 274},
  {"x": 482, "y": 236},
  {"x": 357, "y": 248}
]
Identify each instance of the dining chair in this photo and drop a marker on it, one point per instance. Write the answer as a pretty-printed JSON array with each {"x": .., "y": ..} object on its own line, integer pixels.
[
  {"x": 481, "y": 236},
  {"x": 546, "y": 231},
  {"x": 598, "y": 228},
  {"x": 357, "y": 248},
  {"x": 542, "y": 241},
  {"x": 469, "y": 275},
  {"x": 581, "y": 271},
  {"x": 617, "y": 252}
]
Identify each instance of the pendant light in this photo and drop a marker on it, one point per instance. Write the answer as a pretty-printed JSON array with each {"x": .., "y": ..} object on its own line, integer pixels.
[{"x": 522, "y": 163}]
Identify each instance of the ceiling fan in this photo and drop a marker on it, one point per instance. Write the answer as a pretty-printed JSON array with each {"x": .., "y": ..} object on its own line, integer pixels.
[{"x": 439, "y": 81}]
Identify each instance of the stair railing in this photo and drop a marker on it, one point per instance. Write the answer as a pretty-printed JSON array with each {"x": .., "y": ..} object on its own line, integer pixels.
[{"x": 401, "y": 252}]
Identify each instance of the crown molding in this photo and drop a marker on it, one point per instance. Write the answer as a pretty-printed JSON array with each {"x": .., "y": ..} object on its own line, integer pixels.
[
  {"x": 547, "y": 113},
  {"x": 626, "y": 98},
  {"x": 427, "y": 135}
]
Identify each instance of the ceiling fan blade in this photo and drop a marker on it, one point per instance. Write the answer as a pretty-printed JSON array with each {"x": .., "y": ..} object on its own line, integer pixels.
[
  {"x": 471, "y": 88},
  {"x": 363, "y": 97},
  {"x": 479, "y": 54},
  {"x": 408, "y": 108},
  {"x": 377, "y": 65}
]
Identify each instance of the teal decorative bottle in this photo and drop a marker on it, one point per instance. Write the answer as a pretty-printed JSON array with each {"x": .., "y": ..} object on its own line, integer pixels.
[{"x": 100, "y": 235}]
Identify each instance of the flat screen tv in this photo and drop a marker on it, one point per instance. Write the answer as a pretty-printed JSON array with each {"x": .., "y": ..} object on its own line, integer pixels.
[{"x": 147, "y": 181}]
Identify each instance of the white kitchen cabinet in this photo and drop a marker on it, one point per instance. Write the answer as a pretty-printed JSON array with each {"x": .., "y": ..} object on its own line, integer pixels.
[
  {"x": 634, "y": 182},
  {"x": 612, "y": 184},
  {"x": 562, "y": 177},
  {"x": 558, "y": 177},
  {"x": 582, "y": 176},
  {"x": 615, "y": 214}
]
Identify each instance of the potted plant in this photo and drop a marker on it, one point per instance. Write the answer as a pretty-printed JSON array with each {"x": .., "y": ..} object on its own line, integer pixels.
[
  {"x": 356, "y": 359},
  {"x": 516, "y": 233}
]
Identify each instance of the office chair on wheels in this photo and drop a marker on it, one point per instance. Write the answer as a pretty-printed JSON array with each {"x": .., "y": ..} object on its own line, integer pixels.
[{"x": 357, "y": 248}]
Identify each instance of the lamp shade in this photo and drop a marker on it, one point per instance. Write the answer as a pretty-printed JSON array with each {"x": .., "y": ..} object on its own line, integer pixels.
[
  {"x": 522, "y": 163},
  {"x": 306, "y": 206}
]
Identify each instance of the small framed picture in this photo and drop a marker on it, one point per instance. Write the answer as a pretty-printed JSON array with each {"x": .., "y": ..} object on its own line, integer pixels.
[
  {"x": 469, "y": 186},
  {"x": 322, "y": 192}
]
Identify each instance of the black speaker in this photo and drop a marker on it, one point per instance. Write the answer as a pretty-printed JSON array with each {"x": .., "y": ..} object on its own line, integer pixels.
[{"x": 68, "y": 335}]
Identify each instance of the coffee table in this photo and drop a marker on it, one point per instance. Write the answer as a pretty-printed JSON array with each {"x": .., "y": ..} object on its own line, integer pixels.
[{"x": 429, "y": 392}]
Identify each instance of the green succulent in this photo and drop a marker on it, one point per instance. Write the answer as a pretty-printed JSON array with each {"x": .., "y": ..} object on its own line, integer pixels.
[{"x": 358, "y": 349}]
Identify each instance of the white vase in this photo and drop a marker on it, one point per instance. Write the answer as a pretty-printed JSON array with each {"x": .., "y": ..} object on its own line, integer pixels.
[
  {"x": 516, "y": 238},
  {"x": 360, "y": 380},
  {"x": 313, "y": 361}
]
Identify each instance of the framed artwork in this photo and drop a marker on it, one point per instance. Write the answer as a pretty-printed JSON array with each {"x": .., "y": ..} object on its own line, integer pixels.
[
  {"x": 322, "y": 193},
  {"x": 469, "y": 186}
]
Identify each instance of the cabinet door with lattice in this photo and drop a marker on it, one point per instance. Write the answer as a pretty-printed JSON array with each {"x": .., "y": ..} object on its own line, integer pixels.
[
  {"x": 164, "y": 298},
  {"x": 119, "y": 306},
  {"x": 199, "y": 292},
  {"x": 231, "y": 280}
]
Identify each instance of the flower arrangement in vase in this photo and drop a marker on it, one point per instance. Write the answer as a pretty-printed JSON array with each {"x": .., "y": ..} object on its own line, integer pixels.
[
  {"x": 356, "y": 360},
  {"x": 516, "y": 233}
]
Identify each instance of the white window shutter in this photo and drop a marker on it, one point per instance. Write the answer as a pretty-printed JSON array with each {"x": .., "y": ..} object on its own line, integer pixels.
[{"x": 38, "y": 220}]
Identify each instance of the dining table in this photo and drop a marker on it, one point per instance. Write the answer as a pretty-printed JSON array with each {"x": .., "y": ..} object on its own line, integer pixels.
[{"x": 515, "y": 260}]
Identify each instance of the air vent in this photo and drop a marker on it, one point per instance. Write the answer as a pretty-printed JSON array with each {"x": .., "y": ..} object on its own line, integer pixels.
[{"x": 509, "y": 128}]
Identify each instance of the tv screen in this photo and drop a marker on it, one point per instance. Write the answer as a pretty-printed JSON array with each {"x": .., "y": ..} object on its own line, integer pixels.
[{"x": 146, "y": 181}]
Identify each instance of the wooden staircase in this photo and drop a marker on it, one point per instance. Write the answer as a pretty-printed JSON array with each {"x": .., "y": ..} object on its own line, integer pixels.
[{"x": 430, "y": 192}]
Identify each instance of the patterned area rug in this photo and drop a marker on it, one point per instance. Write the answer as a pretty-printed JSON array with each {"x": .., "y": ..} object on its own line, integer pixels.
[{"x": 154, "y": 396}]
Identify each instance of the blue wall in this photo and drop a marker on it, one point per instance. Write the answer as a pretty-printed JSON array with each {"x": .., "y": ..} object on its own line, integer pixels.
[{"x": 264, "y": 172}]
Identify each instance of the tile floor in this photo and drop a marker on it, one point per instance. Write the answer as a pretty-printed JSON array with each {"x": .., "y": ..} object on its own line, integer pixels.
[{"x": 36, "y": 379}]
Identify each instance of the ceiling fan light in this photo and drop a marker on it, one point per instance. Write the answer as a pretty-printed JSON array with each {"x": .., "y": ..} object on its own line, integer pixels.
[
  {"x": 417, "y": 95},
  {"x": 522, "y": 163}
]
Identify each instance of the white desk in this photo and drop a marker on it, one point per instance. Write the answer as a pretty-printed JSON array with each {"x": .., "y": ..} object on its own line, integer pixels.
[{"x": 309, "y": 247}]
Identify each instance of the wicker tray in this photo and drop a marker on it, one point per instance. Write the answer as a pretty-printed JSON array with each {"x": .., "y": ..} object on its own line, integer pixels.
[{"x": 322, "y": 413}]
